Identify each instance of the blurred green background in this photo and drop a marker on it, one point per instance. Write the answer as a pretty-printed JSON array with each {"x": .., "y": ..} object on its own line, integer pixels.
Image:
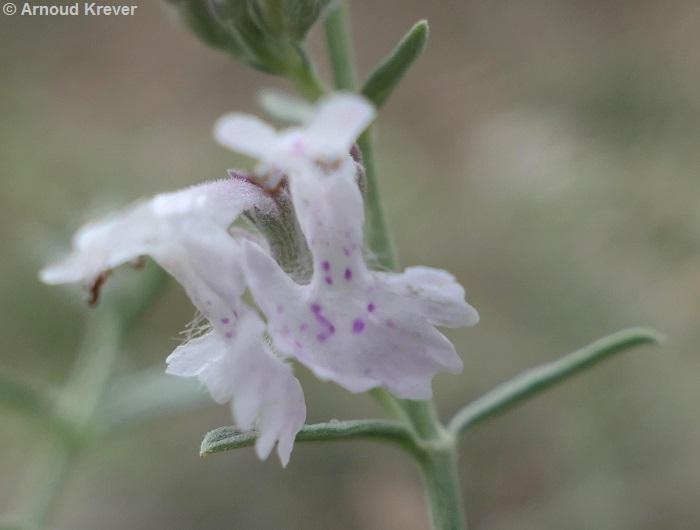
[{"x": 544, "y": 151}]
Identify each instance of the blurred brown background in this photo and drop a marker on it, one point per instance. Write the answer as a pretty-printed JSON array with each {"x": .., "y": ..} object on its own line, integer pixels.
[{"x": 544, "y": 151}]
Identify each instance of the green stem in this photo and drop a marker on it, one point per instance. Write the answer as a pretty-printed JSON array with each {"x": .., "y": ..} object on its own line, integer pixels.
[
  {"x": 339, "y": 41},
  {"x": 389, "y": 403},
  {"x": 75, "y": 408},
  {"x": 438, "y": 463},
  {"x": 378, "y": 238},
  {"x": 305, "y": 78},
  {"x": 423, "y": 417},
  {"x": 52, "y": 471},
  {"x": 340, "y": 47},
  {"x": 92, "y": 369},
  {"x": 439, "y": 470}
]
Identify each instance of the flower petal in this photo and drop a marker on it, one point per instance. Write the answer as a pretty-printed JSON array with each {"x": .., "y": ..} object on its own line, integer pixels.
[
  {"x": 240, "y": 368},
  {"x": 356, "y": 327},
  {"x": 199, "y": 215},
  {"x": 246, "y": 134},
  {"x": 438, "y": 296},
  {"x": 359, "y": 333},
  {"x": 327, "y": 136},
  {"x": 338, "y": 121}
]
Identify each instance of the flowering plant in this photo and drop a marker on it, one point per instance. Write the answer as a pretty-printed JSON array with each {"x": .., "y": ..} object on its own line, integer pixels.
[{"x": 311, "y": 278}]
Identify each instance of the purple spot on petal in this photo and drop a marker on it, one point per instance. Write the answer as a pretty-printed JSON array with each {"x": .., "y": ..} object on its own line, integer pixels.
[
  {"x": 329, "y": 280},
  {"x": 298, "y": 344},
  {"x": 280, "y": 309},
  {"x": 225, "y": 320},
  {"x": 390, "y": 323},
  {"x": 371, "y": 307},
  {"x": 235, "y": 314},
  {"x": 348, "y": 274},
  {"x": 303, "y": 327},
  {"x": 326, "y": 266},
  {"x": 358, "y": 326},
  {"x": 229, "y": 335},
  {"x": 347, "y": 252},
  {"x": 323, "y": 322}
]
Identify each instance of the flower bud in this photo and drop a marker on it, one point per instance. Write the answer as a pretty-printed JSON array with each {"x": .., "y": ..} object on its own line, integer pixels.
[
  {"x": 265, "y": 34},
  {"x": 199, "y": 17},
  {"x": 289, "y": 18}
]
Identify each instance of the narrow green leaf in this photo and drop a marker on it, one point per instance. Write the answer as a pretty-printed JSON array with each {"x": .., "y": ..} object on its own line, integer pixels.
[
  {"x": 228, "y": 438},
  {"x": 537, "y": 380},
  {"x": 382, "y": 82}
]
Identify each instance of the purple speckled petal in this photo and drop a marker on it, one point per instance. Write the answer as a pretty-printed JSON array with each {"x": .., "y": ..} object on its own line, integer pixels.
[{"x": 358, "y": 328}]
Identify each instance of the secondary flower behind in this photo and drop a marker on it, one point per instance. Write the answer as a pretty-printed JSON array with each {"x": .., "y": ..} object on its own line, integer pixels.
[{"x": 357, "y": 327}]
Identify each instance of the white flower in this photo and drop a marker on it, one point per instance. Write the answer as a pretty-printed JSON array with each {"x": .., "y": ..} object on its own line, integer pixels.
[
  {"x": 357, "y": 327},
  {"x": 349, "y": 324},
  {"x": 326, "y": 138},
  {"x": 187, "y": 233}
]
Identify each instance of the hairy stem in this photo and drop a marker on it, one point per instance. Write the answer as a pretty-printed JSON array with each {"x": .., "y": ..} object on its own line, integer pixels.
[
  {"x": 439, "y": 470},
  {"x": 438, "y": 464}
]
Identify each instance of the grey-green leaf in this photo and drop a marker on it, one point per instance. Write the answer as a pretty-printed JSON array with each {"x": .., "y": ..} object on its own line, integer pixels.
[
  {"x": 537, "y": 380},
  {"x": 384, "y": 79},
  {"x": 228, "y": 438}
]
